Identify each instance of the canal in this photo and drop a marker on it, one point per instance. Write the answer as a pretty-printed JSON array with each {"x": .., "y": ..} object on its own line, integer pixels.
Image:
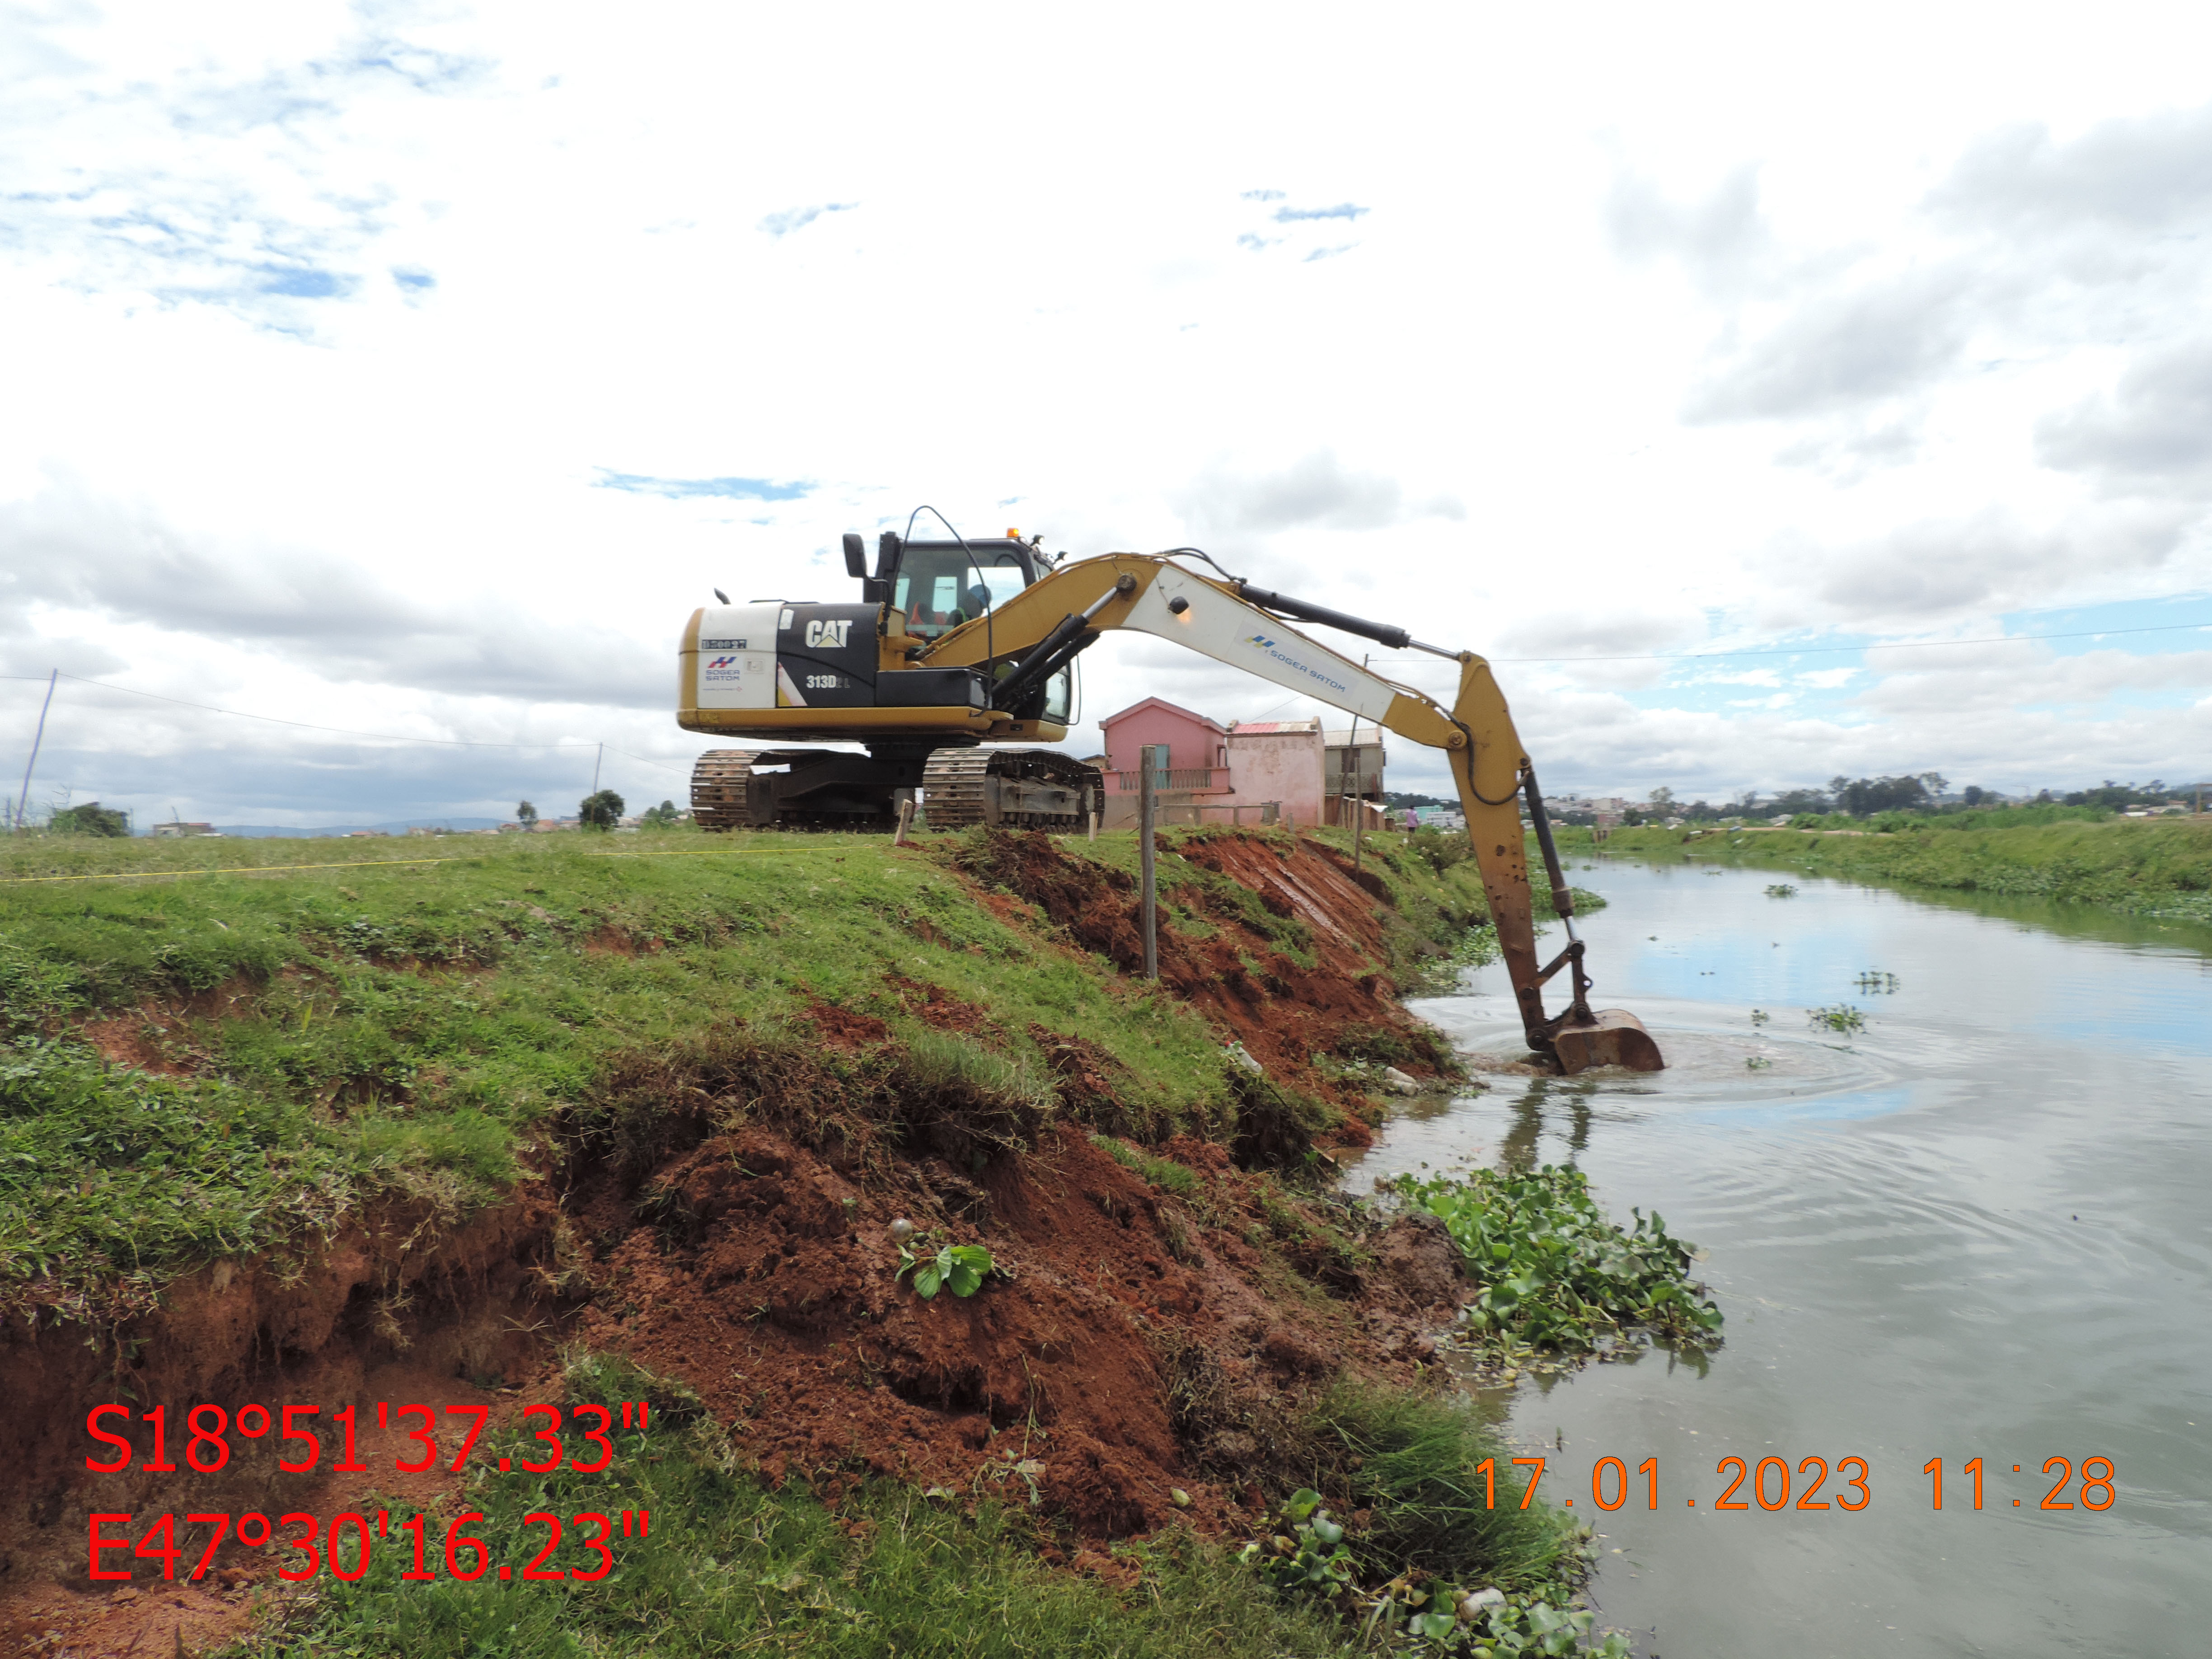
[{"x": 1979, "y": 1227}]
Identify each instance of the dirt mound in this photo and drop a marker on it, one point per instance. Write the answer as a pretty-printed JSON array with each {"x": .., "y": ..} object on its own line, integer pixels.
[
  {"x": 776, "y": 1295},
  {"x": 1283, "y": 1011}
]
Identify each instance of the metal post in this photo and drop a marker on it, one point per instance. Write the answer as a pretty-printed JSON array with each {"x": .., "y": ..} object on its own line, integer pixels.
[
  {"x": 1351, "y": 770},
  {"x": 1148, "y": 905},
  {"x": 35, "y": 742},
  {"x": 596, "y": 763}
]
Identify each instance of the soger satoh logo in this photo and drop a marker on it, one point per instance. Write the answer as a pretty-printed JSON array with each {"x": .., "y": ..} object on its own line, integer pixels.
[{"x": 1261, "y": 641}]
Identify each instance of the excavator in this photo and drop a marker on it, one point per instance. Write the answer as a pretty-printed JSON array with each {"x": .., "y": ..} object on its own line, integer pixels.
[{"x": 957, "y": 646}]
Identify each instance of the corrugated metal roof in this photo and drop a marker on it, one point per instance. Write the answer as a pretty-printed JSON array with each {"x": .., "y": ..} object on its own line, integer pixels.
[{"x": 1263, "y": 728}]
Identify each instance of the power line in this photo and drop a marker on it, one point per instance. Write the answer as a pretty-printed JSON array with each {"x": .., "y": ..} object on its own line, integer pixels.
[{"x": 343, "y": 730}]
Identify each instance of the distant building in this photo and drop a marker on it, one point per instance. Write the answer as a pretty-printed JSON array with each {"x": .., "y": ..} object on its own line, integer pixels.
[
  {"x": 176, "y": 827},
  {"x": 1351, "y": 768}
]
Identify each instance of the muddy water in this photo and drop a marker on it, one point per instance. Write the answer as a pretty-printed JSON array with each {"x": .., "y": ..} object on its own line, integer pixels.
[{"x": 1981, "y": 1227}]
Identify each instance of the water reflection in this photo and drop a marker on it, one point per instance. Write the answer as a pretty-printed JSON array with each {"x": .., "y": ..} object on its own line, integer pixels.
[{"x": 1976, "y": 1227}]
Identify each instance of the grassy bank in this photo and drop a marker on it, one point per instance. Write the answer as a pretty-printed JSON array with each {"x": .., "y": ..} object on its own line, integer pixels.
[
  {"x": 708, "y": 1073},
  {"x": 207, "y": 1064},
  {"x": 203, "y": 1060},
  {"x": 2150, "y": 868}
]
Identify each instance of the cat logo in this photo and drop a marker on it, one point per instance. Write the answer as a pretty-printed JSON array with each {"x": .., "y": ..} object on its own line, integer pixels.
[{"x": 830, "y": 634}]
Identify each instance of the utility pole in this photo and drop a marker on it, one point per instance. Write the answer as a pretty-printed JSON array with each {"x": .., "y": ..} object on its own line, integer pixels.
[
  {"x": 597, "y": 762},
  {"x": 1148, "y": 758},
  {"x": 26, "y": 795}
]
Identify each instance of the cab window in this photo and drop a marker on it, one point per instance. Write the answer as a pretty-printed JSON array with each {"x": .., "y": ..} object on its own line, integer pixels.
[{"x": 940, "y": 588}]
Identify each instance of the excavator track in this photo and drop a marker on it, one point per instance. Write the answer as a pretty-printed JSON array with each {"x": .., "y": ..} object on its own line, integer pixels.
[
  {"x": 719, "y": 793},
  {"x": 1013, "y": 788}
]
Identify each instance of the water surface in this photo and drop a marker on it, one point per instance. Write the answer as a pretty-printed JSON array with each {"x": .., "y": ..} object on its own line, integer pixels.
[{"x": 1981, "y": 1227}]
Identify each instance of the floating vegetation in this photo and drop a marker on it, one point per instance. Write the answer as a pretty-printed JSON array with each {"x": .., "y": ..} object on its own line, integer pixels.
[
  {"x": 1841, "y": 1018},
  {"x": 1874, "y": 980},
  {"x": 1781, "y": 890},
  {"x": 1757, "y": 1063},
  {"x": 1759, "y": 1017},
  {"x": 1555, "y": 1273}
]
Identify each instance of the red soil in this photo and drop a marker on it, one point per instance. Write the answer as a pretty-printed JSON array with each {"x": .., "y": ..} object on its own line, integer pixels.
[
  {"x": 1284, "y": 1013},
  {"x": 780, "y": 1306}
]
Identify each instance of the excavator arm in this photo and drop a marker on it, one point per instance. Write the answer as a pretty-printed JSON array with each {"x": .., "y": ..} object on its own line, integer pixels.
[{"x": 1038, "y": 631}]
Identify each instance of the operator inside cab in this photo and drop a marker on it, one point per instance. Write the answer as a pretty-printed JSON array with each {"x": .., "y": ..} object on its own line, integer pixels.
[{"x": 940, "y": 585}]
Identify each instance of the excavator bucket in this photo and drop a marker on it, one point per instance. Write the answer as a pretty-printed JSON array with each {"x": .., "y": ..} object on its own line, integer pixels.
[{"x": 1615, "y": 1037}]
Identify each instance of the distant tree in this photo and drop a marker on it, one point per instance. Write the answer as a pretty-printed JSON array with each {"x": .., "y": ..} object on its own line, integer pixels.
[
  {"x": 601, "y": 812},
  {"x": 659, "y": 817},
  {"x": 1935, "y": 782},
  {"x": 2118, "y": 797},
  {"x": 1398, "y": 798},
  {"x": 1863, "y": 797},
  {"x": 1662, "y": 801},
  {"x": 1974, "y": 794},
  {"x": 89, "y": 819},
  {"x": 525, "y": 814},
  {"x": 1794, "y": 801}
]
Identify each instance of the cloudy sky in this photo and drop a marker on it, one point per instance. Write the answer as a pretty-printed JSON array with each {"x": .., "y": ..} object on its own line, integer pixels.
[{"x": 1772, "y": 394}]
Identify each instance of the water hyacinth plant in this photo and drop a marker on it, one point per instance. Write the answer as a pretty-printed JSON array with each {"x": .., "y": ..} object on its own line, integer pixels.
[
  {"x": 960, "y": 1268},
  {"x": 1555, "y": 1273},
  {"x": 1303, "y": 1554}
]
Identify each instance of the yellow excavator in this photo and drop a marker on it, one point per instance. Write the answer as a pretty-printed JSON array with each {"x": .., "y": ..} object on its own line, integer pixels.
[{"x": 956, "y": 645}]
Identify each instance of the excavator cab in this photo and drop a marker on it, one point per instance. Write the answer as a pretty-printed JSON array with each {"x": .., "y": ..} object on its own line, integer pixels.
[
  {"x": 940, "y": 585},
  {"x": 937, "y": 587}
]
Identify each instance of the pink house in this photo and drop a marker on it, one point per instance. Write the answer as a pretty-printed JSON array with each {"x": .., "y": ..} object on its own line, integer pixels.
[
  {"x": 1214, "y": 770},
  {"x": 1194, "y": 742}
]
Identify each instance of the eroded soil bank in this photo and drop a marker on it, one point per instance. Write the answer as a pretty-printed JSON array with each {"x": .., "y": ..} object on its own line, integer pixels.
[{"x": 718, "y": 1211}]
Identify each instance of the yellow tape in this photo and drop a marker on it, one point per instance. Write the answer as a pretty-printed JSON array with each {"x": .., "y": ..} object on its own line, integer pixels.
[{"x": 227, "y": 870}]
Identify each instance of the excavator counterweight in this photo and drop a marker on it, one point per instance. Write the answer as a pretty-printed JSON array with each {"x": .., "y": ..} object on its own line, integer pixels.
[{"x": 959, "y": 647}]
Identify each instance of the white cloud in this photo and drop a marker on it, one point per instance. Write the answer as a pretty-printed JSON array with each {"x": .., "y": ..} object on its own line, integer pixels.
[{"x": 325, "y": 326}]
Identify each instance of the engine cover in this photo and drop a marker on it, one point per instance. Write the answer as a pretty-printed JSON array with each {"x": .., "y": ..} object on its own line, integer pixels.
[{"x": 771, "y": 654}]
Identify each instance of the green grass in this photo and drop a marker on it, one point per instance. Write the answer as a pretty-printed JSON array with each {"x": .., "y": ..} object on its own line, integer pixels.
[
  {"x": 2141, "y": 867},
  {"x": 1164, "y": 1173},
  {"x": 1414, "y": 1463},
  {"x": 346, "y": 1034},
  {"x": 733, "y": 1564}
]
